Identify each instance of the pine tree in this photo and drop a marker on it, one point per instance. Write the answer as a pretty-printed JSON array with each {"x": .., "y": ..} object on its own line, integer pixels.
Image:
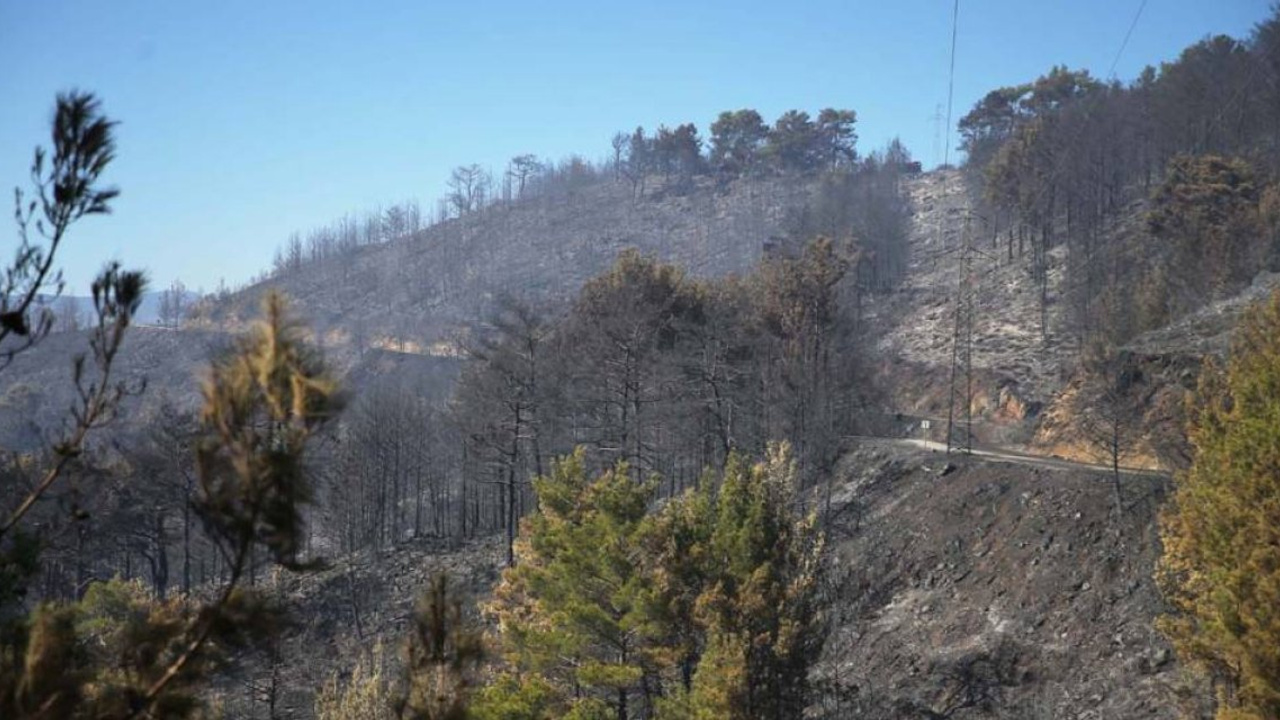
[
  {"x": 1221, "y": 532},
  {"x": 263, "y": 402},
  {"x": 678, "y": 542},
  {"x": 442, "y": 657},
  {"x": 760, "y": 612},
  {"x": 574, "y": 609}
]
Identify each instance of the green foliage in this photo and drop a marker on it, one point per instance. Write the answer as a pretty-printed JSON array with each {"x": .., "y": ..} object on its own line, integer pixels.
[
  {"x": 97, "y": 657},
  {"x": 108, "y": 608},
  {"x": 759, "y": 611},
  {"x": 517, "y": 697},
  {"x": 1056, "y": 90},
  {"x": 736, "y": 140},
  {"x": 835, "y": 138},
  {"x": 998, "y": 116},
  {"x": 991, "y": 121},
  {"x": 574, "y": 608},
  {"x": 792, "y": 142},
  {"x": 678, "y": 152},
  {"x": 678, "y": 541},
  {"x": 704, "y": 609},
  {"x": 1221, "y": 531}
]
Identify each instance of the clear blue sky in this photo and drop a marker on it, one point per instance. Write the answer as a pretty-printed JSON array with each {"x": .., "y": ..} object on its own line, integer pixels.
[{"x": 243, "y": 121}]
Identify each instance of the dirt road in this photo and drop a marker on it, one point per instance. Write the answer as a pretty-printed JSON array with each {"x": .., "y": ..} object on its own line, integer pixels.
[{"x": 1009, "y": 456}]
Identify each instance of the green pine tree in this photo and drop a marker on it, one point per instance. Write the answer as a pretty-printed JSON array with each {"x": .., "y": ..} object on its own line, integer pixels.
[
  {"x": 1221, "y": 531},
  {"x": 760, "y": 612},
  {"x": 574, "y": 609}
]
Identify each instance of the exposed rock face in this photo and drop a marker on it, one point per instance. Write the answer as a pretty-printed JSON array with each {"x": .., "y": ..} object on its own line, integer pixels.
[
  {"x": 1010, "y": 405},
  {"x": 918, "y": 320},
  {"x": 1154, "y": 402}
]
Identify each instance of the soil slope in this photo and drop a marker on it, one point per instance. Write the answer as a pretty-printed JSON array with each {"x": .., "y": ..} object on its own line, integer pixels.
[{"x": 967, "y": 589}]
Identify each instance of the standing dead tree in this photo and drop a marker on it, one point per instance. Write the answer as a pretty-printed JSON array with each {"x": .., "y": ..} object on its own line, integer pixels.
[{"x": 1107, "y": 410}]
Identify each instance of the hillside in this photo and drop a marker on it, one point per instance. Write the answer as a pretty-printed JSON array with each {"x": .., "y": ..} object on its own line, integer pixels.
[
  {"x": 1029, "y": 387},
  {"x": 1012, "y": 593},
  {"x": 167, "y": 366},
  {"x": 414, "y": 296},
  {"x": 37, "y": 389},
  {"x": 1016, "y": 367},
  {"x": 576, "y": 387},
  {"x": 422, "y": 289}
]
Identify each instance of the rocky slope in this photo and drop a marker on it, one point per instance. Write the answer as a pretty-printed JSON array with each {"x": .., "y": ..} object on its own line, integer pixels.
[
  {"x": 1029, "y": 389},
  {"x": 1012, "y": 592},
  {"x": 1016, "y": 367},
  {"x": 972, "y": 590}
]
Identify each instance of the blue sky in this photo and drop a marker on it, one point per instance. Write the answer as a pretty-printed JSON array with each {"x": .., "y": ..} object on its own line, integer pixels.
[{"x": 244, "y": 121}]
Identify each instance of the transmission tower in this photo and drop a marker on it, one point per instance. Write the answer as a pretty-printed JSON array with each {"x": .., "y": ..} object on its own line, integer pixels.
[
  {"x": 960, "y": 426},
  {"x": 937, "y": 118}
]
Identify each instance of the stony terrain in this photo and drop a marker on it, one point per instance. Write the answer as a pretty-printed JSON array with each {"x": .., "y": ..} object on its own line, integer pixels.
[
  {"x": 1028, "y": 385},
  {"x": 1013, "y": 592},
  {"x": 1009, "y": 351},
  {"x": 356, "y": 604}
]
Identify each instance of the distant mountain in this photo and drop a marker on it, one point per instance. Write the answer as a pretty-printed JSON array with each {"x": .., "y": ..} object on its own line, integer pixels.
[{"x": 148, "y": 312}]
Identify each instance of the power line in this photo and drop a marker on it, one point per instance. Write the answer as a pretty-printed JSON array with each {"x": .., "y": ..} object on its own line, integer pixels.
[
  {"x": 1112, "y": 72},
  {"x": 951, "y": 80},
  {"x": 962, "y": 347},
  {"x": 967, "y": 284}
]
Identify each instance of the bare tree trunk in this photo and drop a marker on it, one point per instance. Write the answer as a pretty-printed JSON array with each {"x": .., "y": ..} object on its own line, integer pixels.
[{"x": 186, "y": 538}]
